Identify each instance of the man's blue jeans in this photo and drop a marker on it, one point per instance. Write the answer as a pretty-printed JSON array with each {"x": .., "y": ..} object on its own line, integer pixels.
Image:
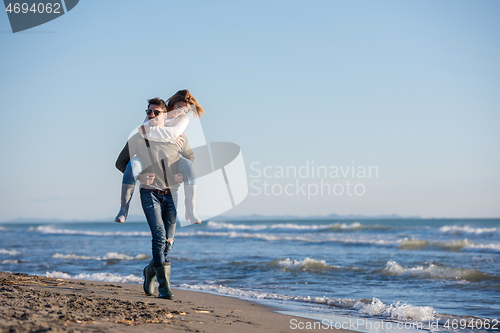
[{"x": 161, "y": 214}]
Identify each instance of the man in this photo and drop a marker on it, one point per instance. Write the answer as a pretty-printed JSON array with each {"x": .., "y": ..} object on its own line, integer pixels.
[{"x": 159, "y": 184}]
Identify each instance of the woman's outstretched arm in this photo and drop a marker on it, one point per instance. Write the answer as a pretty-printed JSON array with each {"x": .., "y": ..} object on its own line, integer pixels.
[{"x": 168, "y": 133}]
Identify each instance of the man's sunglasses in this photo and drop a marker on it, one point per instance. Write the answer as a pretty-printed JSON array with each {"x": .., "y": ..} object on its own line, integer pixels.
[{"x": 156, "y": 112}]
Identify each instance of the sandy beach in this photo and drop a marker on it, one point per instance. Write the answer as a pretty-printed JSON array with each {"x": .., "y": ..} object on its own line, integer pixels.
[{"x": 30, "y": 303}]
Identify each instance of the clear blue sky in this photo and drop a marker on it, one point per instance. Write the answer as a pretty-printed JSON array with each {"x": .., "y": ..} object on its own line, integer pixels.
[{"x": 411, "y": 87}]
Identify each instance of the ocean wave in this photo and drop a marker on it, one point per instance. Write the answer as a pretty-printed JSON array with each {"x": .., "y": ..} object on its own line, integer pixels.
[
  {"x": 371, "y": 307},
  {"x": 413, "y": 244},
  {"x": 104, "y": 277},
  {"x": 357, "y": 226},
  {"x": 396, "y": 311},
  {"x": 51, "y": 230},
  {"x": 433, "y": 271},
  {"x": 108, "y": 256},
  {"x": 320, "y": 238},
  {"x": 291, "y": 226},
  {"x": 418, "y": 244},
  {"x": 344, "y": 226},
  {"x": 455, "y": 245},
  {"x": 454, "y": 229},
  {"x": 118, "y": 256},
  {"x": 366, "y": 307},
  {"x": 9, "y": 252},
  {"x": 72, "y": 257},
  {"x": 257, "y": 227},
  {"x": 11, "y": 261},
  {"x": 249, "y": 294},
  {"x": 374, "y": 307},
  {"x": 234, "y": 234},
  {"x": 307, "y": 264},
  {"x": 360, "y": 241},
  {"x": 482, "y": 248}
]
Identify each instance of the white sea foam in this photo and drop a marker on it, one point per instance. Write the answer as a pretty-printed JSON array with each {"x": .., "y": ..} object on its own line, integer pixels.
[
  {"x": 307, "y": 264},
  {"x": 218, "y": 289},
  {"x": 249, "y": 294},
  {"x": 435, "y": 272},
  {"x": 234, "y": 234},
  {"x": 463, "y": 245},
  {"x": 375, "y": 307},
  {"x": 323, "y": 237},
  {"x": 108, "y": 256},
  {"x": 72, "y": 257},
  {"x": 455, "y": 245},
  {"x": 383, "y": 242},
  {"x": 344, "y": 226},
  {"x": 291, "y": 226},
  {"x": 413, "y": 244},
  {"x": 397, "y": 311},
  {"x": 105, "y": 277},
  {"x": 52, "y": 230},
  {"x": 454, "y": 229},
  {"x": 118, "y": 256},
  {"x": 10, "y": 252},
  {"x": 482, "y": 248},
  {"x": 10, "y": 261},
  {"x": 286, "y": 226}
]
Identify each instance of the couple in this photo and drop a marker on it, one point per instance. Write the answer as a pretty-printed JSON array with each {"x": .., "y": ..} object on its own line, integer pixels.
[{"x": 153, "y": 156}]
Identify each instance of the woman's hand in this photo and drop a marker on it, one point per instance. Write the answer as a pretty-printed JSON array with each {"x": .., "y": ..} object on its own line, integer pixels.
[
  {"x": 179, "y": 141},
  {"x": 143, "y": 129},
  {"x": 147, "y": 178},
  {"x": 179, "y": 177}
]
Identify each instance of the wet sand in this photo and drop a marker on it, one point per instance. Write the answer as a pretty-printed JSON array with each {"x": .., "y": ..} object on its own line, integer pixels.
[{"x": 30, "y": 303}]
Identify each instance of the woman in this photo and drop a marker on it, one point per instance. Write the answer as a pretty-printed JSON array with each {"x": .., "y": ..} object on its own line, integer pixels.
[{"x": 178, "y": 107}]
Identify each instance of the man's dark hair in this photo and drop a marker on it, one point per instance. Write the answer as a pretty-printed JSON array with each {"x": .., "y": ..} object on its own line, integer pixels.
[{"x": 158, "y": 102}]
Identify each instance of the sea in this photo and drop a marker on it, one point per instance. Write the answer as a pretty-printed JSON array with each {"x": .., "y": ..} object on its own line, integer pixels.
[{"x": 438, "y": 275}]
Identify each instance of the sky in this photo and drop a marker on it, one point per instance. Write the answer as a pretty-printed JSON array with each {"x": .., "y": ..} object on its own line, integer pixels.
[{"x": 409, "y": 88}]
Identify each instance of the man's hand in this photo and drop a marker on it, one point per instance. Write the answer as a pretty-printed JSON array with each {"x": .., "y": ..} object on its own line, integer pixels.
[
  {"x": 143, "y": 129},
  {"x": 179, "y": 141},
  {"x": 179, "y": 177},
  {"x": 147, "y": 178}
]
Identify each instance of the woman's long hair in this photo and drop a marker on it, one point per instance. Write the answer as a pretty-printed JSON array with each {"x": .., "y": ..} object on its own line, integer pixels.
[{"x": 185, "y": 96}]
